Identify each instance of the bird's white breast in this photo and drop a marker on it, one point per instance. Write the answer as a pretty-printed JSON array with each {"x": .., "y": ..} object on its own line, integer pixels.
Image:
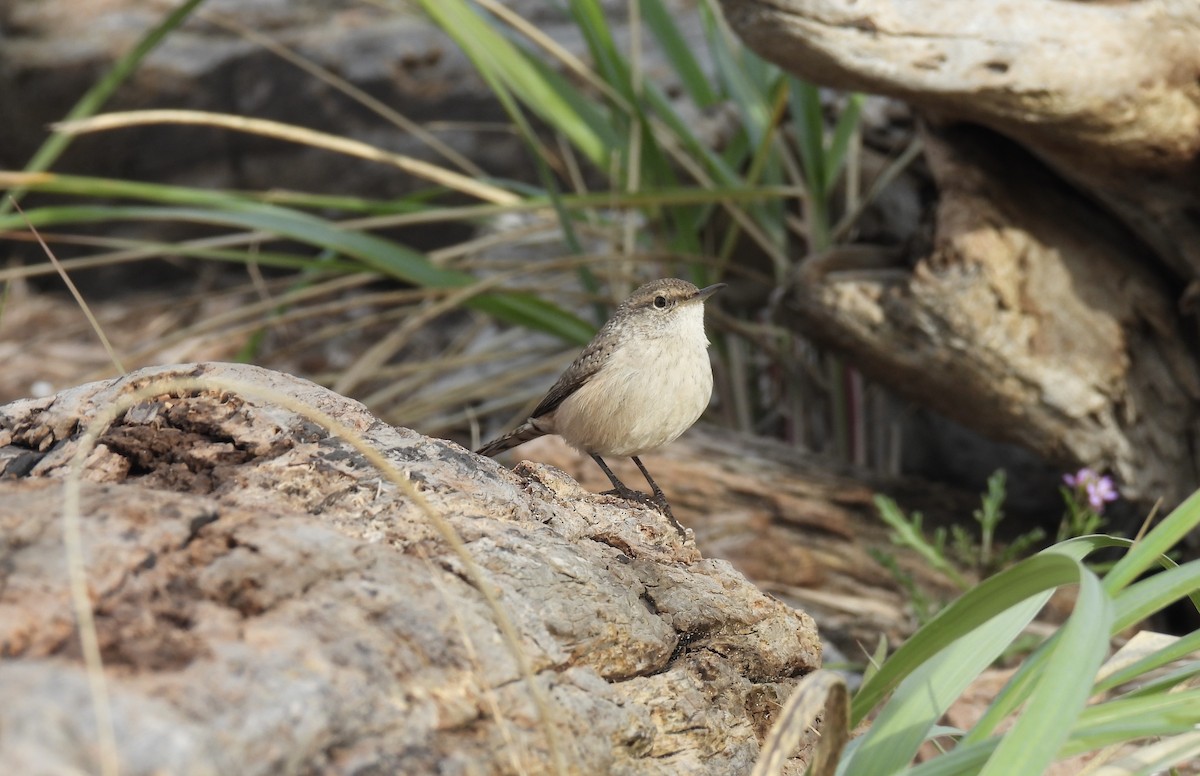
[{"x": 651, "y": 390}]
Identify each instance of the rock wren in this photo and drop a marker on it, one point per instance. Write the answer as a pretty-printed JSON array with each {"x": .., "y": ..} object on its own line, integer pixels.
[{"x": 642, "y": 381}]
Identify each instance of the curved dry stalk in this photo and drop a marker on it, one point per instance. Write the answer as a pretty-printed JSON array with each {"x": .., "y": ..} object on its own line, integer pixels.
[
  {"x": 83, "y": 305},
  {"x": 489, "y": 693},
  {"x": 292, "y": 134},
  {"x": 77, "y": 579},
  {"x": 821, "y": 693}
]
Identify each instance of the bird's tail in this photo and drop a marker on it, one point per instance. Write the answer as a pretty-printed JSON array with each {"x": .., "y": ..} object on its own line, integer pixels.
[{"x": 519, "y": 435}]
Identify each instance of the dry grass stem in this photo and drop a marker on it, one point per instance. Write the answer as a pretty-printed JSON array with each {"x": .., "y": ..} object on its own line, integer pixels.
[
  {"x": 83, "y": 305},
  {"x": 527, "y": 399},
  {"x": 293, "y": 134},
  {"x": 235, "y": 322},
  {"x": 379, "y": 353}
]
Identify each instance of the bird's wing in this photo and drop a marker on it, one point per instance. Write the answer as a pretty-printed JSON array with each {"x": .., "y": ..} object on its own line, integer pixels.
[{"x": 576, "y": 376}]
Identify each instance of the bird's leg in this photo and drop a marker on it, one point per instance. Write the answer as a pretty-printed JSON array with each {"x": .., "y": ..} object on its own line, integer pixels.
[
  {"x": 619, "y": 488},
  {"x": 624, "y": 491},
  {"x": 660, "y": 498}
]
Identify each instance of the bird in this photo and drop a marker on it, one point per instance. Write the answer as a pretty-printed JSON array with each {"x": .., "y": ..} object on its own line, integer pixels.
[{"x": 643, "y": 380}]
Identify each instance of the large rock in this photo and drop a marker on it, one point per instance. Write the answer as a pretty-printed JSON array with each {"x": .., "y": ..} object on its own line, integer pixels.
[{"x": 266, "y": 602}]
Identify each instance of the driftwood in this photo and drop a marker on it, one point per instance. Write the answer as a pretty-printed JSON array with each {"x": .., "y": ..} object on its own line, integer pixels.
[
  {"x": 1047, "y": 313},
  {"x": 1105, "y": 93},
  {"x": 266, "y": 603}
]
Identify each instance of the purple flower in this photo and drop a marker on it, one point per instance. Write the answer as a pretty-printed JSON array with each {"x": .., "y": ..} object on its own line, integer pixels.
[{"x": 1098, "y": 488}]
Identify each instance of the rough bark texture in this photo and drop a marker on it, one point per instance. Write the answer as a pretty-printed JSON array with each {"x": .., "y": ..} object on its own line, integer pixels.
[
  {"x": 1027, "y": 322},
  {"x": 266, "y": 604},
  {"x": 1037, "y": 317},
  {"x": 1106, "y": 93}
]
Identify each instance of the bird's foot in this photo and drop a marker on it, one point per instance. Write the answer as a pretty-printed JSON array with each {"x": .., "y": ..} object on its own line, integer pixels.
[
  {"x": 658, "y": 501},
  {"x": 631, "y": 495}
]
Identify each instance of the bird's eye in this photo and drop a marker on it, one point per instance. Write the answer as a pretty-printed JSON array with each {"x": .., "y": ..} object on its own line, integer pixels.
[{"x": 660, "y": 301}]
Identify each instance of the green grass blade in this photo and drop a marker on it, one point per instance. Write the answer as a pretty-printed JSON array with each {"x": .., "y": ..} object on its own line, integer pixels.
[
  {"x": 545, "y": 175},
  {"x": 1106, "y": 724},
  {"x": 1034, "y": 741},
  {"x": 1181, "y": 648},
  {"x": 1015, "y": 692},
  {"x": 1167, "y": 682},
  {"x": 547, "y": 93},
  {"x": 923, "y": 697},
  {"x": 1023, "y": 682},
  {"x": 387, "y": 257},
  {"x": 1129, "y": 719},
  {"x": 722, "y": 172},
  {"x": 809, "y": 125},
  {"x": 98, "y": 95},
  {"x": 85, "y": 186},
  {"x": 961, "y": 761},
  {"x": 753, "y": 98},
  {"x": 1150, "y": 595},
  {"x": 1031, "y": 578},
  {"x": 679, "y": 52},
  {"x": 1145, "y": 554},
  {"x": 610, "y": 63},
  {"x": 843, "y": 131},
  {"x": 667, "y": 196},
  {"x": 941, "y": 677}
]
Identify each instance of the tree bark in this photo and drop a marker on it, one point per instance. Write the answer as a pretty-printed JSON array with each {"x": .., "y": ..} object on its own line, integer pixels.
[
  {"x": 1106, "y": 94},
  {"x": 1047, "y": 311}
]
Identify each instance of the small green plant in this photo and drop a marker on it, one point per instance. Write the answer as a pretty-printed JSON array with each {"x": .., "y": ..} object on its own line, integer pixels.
[
  {"x": 923, "y": 607},
  {"x": 948, "y": 551},
  {"x": 989, "y": 515},
  {"x": 907, "y": 532}
]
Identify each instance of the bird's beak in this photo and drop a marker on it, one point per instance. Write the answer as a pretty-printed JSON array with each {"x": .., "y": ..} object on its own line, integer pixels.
[{"x": 707, "y": 291}]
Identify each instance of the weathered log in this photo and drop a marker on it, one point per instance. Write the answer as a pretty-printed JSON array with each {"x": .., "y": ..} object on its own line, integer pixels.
[
  {"x": 266, "y": 603},
  {"x": 1026, "y": 321},
  {"x": 1106, "y": 94},
  {"x": 1036, "y": 317}
]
